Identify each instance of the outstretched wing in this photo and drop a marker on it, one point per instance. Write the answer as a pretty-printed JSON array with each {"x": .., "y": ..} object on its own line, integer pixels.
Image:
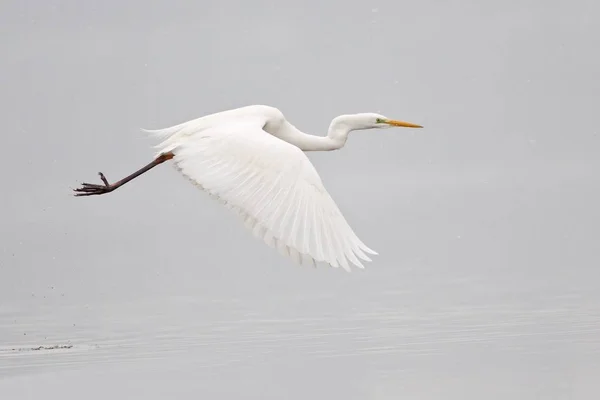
[{"x": 273, "y": 186}]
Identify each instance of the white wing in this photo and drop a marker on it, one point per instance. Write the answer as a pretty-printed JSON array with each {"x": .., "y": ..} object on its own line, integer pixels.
[{"x": 272, "y": 185}]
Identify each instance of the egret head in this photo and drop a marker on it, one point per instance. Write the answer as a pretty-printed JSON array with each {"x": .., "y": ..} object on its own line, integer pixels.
[
  {"x": 384, "y": 122},
  {"x": 370, "y": 121}
]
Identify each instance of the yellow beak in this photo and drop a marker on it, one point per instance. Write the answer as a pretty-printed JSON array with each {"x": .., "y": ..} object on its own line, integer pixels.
[{"x": 393, "y": 122}]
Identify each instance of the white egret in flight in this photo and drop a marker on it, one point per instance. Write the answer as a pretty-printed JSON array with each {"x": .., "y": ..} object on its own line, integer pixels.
[{"x": 252, "y": 160}]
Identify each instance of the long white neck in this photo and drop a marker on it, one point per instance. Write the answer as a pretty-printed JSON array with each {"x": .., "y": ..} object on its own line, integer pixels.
[{"x": 335, "y": 139}]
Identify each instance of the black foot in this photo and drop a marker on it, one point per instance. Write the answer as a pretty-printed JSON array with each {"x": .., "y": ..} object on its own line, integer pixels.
[{"x": 90, "y": 189}]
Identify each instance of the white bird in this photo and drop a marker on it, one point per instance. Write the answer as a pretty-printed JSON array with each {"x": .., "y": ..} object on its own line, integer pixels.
[{"x": 252, "y": 160}]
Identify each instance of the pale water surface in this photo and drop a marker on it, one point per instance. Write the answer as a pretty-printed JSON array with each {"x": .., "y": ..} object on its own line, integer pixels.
[{"x": 431, "y": 328}]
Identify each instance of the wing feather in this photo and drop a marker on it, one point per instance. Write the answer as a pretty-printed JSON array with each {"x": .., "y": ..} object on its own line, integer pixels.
[{"x": 271, "y": 185}]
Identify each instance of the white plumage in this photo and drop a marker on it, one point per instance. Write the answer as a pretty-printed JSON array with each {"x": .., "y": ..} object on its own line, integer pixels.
[{"x": 252, "y": 160}]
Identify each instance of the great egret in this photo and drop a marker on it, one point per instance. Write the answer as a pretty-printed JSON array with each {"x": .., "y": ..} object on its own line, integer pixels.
[{"x": 251, "y": 159}]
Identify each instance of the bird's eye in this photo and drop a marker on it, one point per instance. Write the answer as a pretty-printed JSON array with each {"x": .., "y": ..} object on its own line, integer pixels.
[{"x": 379, "y": 121}]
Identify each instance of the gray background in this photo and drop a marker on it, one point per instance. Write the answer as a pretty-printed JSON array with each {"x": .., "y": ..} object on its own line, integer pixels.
[{"x": 486, "y": 221}]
